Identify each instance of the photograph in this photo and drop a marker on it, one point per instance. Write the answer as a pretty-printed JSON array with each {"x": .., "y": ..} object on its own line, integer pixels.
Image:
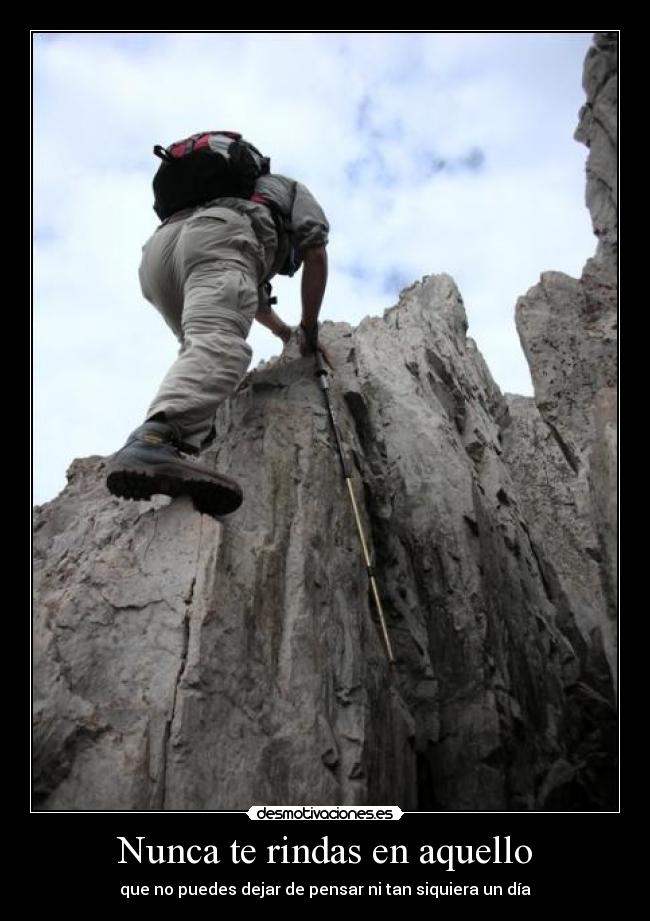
[{"x": 325, "y": 446}]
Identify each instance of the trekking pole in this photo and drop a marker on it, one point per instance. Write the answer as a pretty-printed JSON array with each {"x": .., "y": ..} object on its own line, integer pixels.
[{"x": 324, "y": 382}]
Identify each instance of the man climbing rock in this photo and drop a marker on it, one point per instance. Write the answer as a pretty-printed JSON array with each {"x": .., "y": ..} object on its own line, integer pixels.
[{"x": 228, "y": 226}]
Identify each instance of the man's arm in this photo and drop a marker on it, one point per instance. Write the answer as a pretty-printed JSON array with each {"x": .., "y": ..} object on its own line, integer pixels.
[
  {"x": 272, "y": 321},
  {"x": 313, "y": 283}
]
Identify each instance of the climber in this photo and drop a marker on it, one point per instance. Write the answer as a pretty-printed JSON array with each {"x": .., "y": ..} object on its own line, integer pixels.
[{"x": 228, "y": 226}]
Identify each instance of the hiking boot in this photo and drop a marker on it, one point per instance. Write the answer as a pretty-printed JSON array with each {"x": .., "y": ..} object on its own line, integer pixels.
[{"x": 151, "y": 463}]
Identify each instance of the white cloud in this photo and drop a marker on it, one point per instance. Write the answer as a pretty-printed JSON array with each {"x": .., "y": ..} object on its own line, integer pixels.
[{"x": 317, "y": 103}]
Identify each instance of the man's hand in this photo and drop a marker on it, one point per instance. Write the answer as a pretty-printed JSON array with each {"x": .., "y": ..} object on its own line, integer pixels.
[
  {"x": 308, "y": 341},
  {"x": 285, "y": 333},
  {"x": 272, "y": 321}
]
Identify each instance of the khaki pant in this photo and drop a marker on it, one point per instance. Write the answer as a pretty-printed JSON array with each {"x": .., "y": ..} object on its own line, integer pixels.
[{"x": 202, "y": 274}]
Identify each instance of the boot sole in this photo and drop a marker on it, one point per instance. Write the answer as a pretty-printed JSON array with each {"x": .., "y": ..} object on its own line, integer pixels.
[{"x": 208, "y": 497}]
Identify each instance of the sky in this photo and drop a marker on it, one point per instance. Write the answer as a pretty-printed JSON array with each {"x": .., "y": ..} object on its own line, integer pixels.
[{"x": 429, "y": 152}]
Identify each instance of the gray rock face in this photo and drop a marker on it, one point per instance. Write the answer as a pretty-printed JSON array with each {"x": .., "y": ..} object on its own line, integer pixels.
[
  {"x": 568, "y": 329},
  {"x": 186, "y": 664},
  {"x": 189, "y": 664},
  {"x": 598, "y": 129},
  {"x": 557, "y": 507}
]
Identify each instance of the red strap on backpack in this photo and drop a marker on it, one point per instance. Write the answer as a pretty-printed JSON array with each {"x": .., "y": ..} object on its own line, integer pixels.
[{"x": 188, "y": 145}]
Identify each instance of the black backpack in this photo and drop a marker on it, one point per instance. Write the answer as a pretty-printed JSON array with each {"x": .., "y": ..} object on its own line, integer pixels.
[{"x": 205, "y": 166}]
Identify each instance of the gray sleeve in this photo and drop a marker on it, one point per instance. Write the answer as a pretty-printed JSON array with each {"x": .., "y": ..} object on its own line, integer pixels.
[{"x": 309, "y": 226}]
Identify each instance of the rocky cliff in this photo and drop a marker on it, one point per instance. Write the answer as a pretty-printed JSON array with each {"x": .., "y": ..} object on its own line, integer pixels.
[
  {"x": 184, "y": 663},
  {"x": 568, "y": 329}
]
